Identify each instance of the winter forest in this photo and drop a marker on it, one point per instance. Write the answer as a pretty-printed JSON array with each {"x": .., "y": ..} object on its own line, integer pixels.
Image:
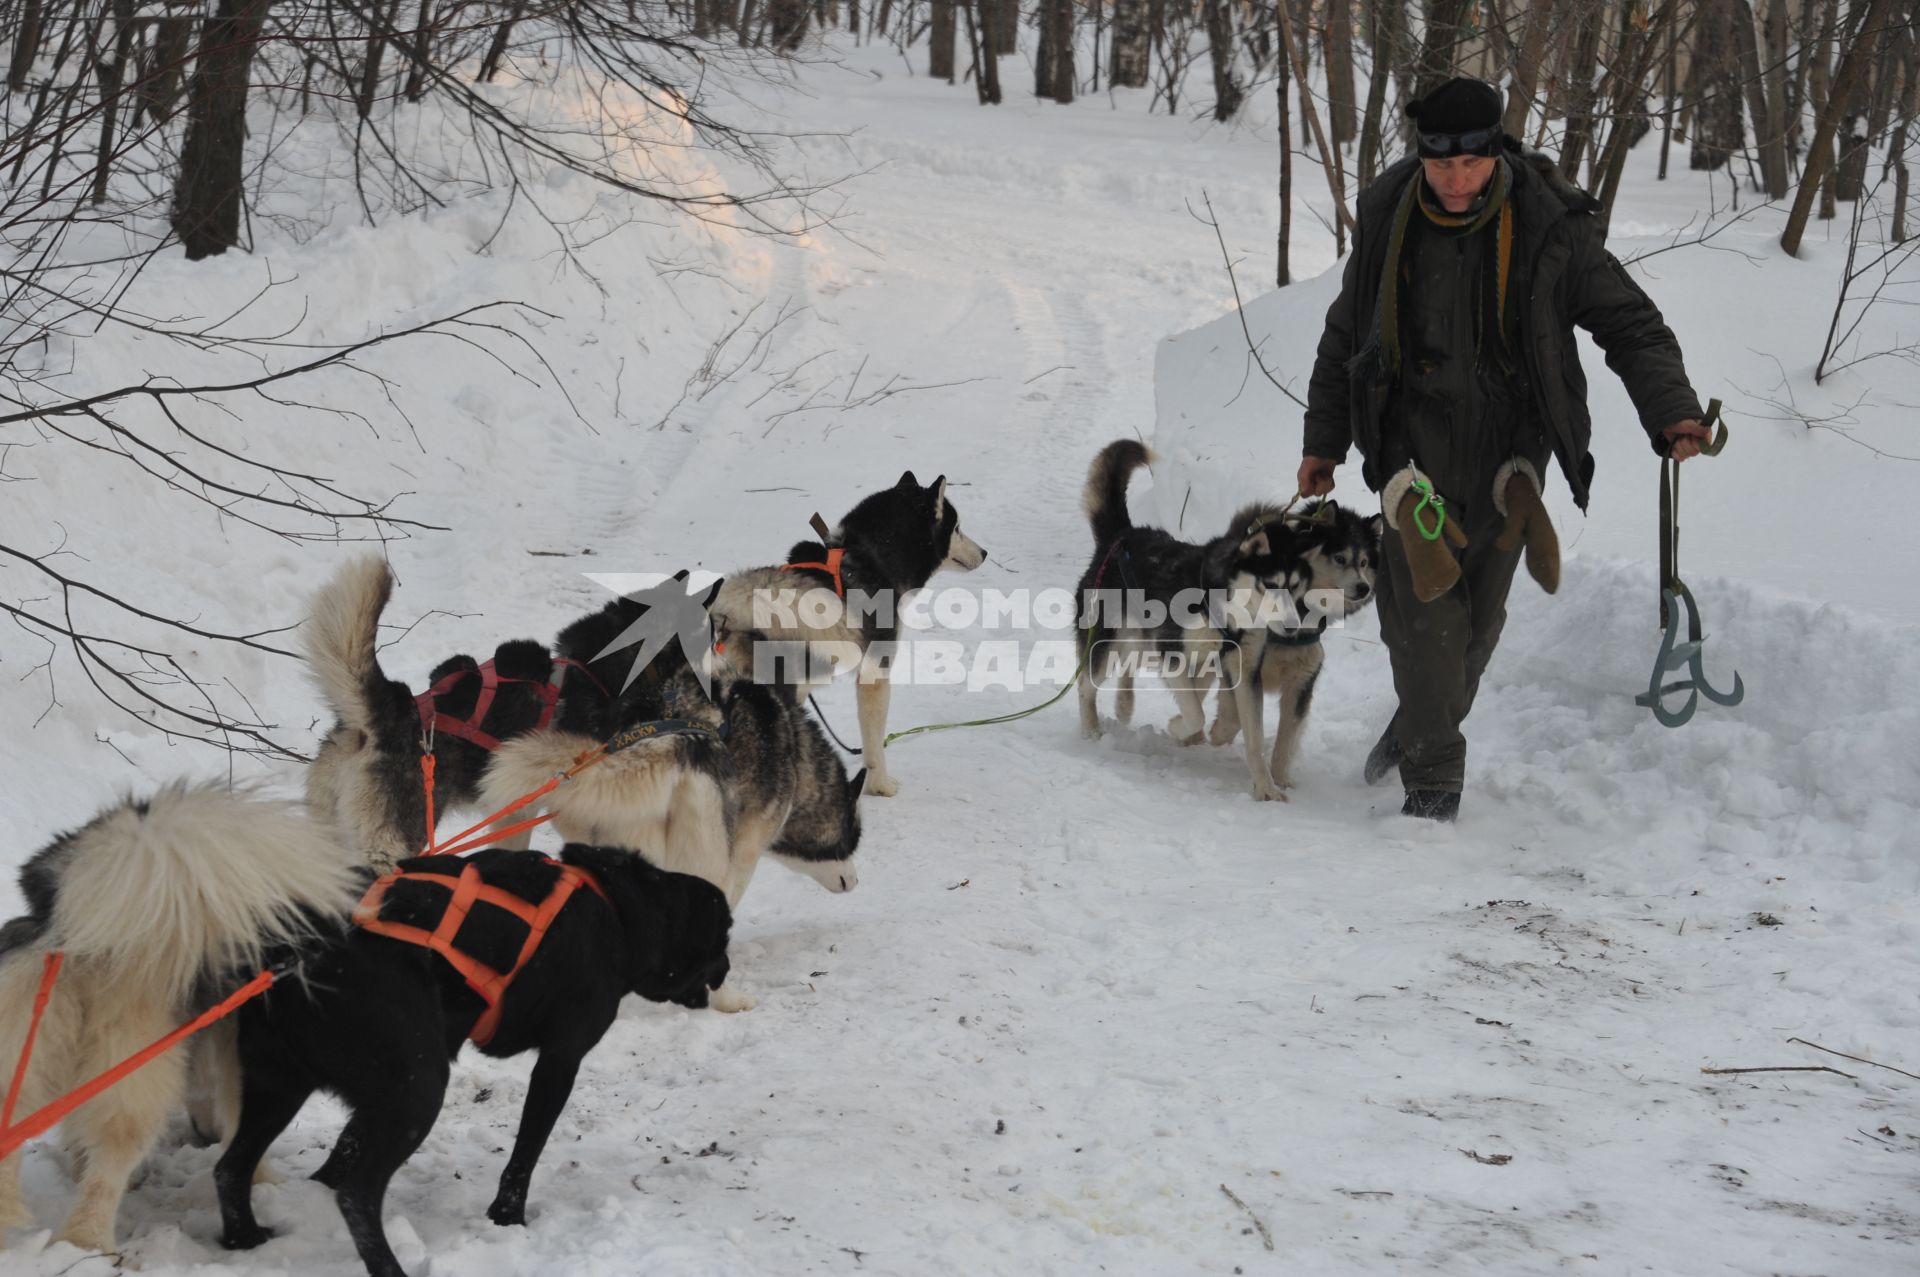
[{"x": 542, "y": 302}]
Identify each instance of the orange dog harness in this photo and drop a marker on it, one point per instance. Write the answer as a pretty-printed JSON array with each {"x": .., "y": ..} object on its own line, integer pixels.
[
  {"x": 831, "y": 567},
  {"x": 467, "y": 890}
]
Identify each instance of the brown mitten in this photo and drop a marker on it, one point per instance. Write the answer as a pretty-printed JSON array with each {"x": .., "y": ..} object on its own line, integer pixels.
[
  {"x": 1433, "y": 566},
  {"x": 1516, "y": 494}
]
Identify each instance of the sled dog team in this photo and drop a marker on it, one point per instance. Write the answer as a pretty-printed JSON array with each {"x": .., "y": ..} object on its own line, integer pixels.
[{"x": 685, "y": 771}]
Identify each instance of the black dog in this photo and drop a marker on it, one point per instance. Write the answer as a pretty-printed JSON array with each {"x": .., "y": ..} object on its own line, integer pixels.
[{"x": 377, "y": 1020}]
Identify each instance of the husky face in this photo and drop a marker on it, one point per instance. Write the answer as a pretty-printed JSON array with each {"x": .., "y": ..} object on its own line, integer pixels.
[
  {"x": 1261, "y": 564},
  {"x": 957, "y": 550},
  {"x": 1341, "y": 551}
]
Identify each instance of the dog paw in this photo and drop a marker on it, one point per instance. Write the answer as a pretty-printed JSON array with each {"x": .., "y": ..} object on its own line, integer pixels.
[
  {"x": 508, "y": 1214},
  {"x": 1222, "y": 733},
  {"x": 1178, "y": 729},
  {"x": 1269, "y": 793},
  {"x": 1090, "y": 731},
  {"x": 881, "y": 785},
  {"x": 245, "y": 1238},
  {"x": 730, "y": 1000}
]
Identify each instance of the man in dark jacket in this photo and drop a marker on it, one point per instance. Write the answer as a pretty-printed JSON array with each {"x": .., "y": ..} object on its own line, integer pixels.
[{"x": 1449, "y": 361}]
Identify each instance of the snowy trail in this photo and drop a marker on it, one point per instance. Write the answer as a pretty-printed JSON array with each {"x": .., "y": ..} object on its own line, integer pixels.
[{"x": 1085, "y": 985}]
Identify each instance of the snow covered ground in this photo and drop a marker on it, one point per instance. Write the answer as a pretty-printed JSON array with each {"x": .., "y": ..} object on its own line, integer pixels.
[{"x": 1086, "y": 990}]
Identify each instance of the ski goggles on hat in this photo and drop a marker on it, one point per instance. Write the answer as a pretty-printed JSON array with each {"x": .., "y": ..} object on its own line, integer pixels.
[{"x": 1440, "y": 146}]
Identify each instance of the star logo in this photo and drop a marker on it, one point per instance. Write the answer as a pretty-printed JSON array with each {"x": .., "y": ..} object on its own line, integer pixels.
[{"x": 669, "y": 613}]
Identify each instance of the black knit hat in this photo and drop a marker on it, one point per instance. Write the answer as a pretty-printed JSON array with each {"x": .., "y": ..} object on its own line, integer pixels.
[{"x": 1461, "y": 117}]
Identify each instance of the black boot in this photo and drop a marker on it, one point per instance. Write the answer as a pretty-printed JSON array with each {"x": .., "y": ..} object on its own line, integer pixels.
[
  {"x": 1384, "y": 757},
  {"x": 1432, "y": 804}
]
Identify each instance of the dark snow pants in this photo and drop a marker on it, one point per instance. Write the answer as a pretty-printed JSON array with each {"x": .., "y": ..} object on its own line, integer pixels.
[{"x": 1439, "y": 651}]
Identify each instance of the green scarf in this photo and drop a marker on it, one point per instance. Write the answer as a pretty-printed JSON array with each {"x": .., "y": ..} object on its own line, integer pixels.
[{"x": 1379, "y": 358}]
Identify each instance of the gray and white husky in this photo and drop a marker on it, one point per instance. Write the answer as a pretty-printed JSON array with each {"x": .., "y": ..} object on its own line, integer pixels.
[
  {"x": 886, "y": 548},
  {"x": 1246, "y": 609}
]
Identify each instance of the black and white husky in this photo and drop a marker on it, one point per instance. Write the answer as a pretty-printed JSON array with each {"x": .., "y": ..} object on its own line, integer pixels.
[
  {"x": 760, "y": 779},
  {"x": 1340, "y": 549},
  {"x": 746, "y": 773},
  {"x": 157, "y": 904},
  {"x": 886, "y": 548},
  {"x": 1237, "y": 609}
]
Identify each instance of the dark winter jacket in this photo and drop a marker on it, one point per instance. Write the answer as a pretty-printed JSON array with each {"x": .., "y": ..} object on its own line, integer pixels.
[{"x": 1563, "y": 270}]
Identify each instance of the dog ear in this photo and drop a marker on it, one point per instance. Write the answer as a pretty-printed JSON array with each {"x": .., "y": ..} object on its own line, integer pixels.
[
  {"x": 713, "y": 592},
  {"x": 907, "y": 481},
  {"x": 1376, "y": 527},
  {"x": 940, "y": 498},
  {"x": 857, "y": 785},
  {"x": 1255, "y": 544}
]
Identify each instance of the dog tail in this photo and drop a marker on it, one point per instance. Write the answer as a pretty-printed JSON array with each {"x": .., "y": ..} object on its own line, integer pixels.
[
  {"x": 1105, "y": 499},
  {"x": 191, "y": 885},
  {"x": 341, "y": 629}
]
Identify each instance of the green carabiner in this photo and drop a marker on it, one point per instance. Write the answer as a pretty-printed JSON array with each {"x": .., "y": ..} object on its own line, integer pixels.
[{"x": 1428, "y": 497}]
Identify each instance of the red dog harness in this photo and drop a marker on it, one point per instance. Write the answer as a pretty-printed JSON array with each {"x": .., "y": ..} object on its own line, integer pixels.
[
  {"x": 468, "y": 729},
  {"x": 465, "y": 891}
]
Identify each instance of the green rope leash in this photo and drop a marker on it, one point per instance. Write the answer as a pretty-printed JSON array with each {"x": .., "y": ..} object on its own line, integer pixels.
[
  {"x": 1429, "y": 498},
  {"x": 1086, "y": 650}
]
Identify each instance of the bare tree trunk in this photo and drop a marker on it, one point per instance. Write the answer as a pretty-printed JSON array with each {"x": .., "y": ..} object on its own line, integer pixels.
[
  {"x": 1329, "y": 155},
  {"x": 1635, "y": 59},
  {"x": 989, "y": 58},
  {"x": 163, "y": 65},
  {"x": 1053, "y": 62},
  {"x": 497, "y": 48},
  {"x": 1220, "y": 46},
  {"x": 1006, "y": 26},
  {"x": 1717, "y": 127},
  {"x": 422, "y": 49},
  {"x": 206, "y": 197},
  {"x": 1380, "y": 38},
  {"x": 1819, "y": 91},
  {"x": 112, "y": 73},
  {"x": 1132, "y": 44},
  {"x": 381, "y": 16},
  {"x": 940, "y": 41},
  {"x": 1770, "y": 141},
  {"x": 1446, "y": 32},
  {"x": 1897, "y": 152},
  {"x": 1526, "y": 66},
  {"x": 1583, "y": 57},
  {"x": 1667, "y": 74},
  {"x": 26, "y": 46},
  {"x": 1283, "y": 273},
  {"x": 1342, "y": 115},
  {"x": 1820, "y": 154},
  {"x": 787, "y": 23}
]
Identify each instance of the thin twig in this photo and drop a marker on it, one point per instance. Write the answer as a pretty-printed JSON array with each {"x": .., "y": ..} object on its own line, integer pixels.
[
  {"x": 1238, "y": 308},
  {"x": 1787, "y": 1068},
  {"x": 1857, "y": 1059},
  {"x": 1265, "y": 1237}
]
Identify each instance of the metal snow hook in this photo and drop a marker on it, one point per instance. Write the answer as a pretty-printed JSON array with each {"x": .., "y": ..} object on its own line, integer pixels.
[{"x": 1674, "y": 592}]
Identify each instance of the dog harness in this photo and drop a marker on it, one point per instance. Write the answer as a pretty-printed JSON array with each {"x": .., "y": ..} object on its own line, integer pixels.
[
  {"x": 831, "y": 567},
  {"x": 464, "y": 891},
  {"x": 468, "y": 729}
]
